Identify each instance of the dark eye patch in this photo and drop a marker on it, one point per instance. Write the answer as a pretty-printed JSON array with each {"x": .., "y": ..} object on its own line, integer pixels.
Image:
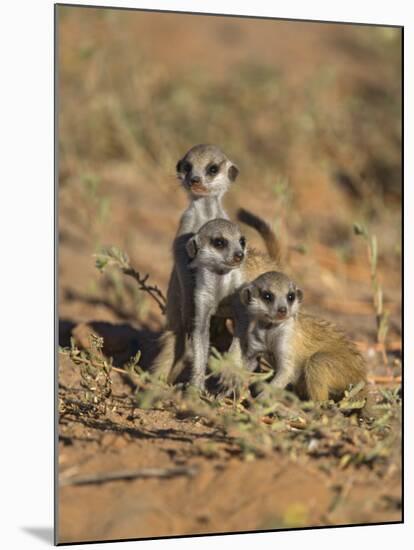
[
  {"x": 213, "y": 169},
  {"x": 291, "y": 297},
  {"x": 187, "y": 166},
  {"x": 267, "y": 296},
  {"x": 219, "y": 242},
  {"x": 242, "y": 242}
]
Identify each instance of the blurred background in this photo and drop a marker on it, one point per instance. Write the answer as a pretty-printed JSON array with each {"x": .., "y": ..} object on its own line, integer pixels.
[{"x": 311, "y": 113}]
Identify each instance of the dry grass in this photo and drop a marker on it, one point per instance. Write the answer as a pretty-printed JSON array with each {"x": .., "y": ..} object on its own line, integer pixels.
[{"x": 256, "y": 428}]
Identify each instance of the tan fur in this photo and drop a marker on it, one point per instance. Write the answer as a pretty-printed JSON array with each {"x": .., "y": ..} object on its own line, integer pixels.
[
  {"x": 257, "y": 263},
  {"x": 162, "y": 363},
  {"x": 327, "y": 362},
  {"x": 313, "y": 355}
]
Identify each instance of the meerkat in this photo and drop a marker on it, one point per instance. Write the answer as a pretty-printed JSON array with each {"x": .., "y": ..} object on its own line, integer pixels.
[
  {"x": 309, "y": 353},
  {"x": 216, "y": 251},
  {"x": 218, "y": 254},
  {"x": 206, "y": 174}
]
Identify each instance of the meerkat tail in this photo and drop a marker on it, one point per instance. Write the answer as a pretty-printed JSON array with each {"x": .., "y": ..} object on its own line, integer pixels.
[
  {"x": 164, "y": 361},
  {"x": 264, "y": 229}
]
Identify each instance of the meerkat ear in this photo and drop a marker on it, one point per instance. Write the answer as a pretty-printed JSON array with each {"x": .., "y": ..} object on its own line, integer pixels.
[
  {"x": 299, "y": 295},
  {"x": 233, "y": 172},
  {"x": 192, "y": 247},
  {"x": 246, "y": 295}
]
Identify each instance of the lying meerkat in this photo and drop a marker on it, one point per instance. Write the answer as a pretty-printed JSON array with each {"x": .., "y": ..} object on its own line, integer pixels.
[{"x": 307, "y": 352}]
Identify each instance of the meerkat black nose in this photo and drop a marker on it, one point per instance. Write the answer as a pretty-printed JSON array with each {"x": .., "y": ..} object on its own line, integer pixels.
[
  {"x": 195, "y": 179},
  {"x": 282, "y": 310},
  {"x": 238, "y": 256}
]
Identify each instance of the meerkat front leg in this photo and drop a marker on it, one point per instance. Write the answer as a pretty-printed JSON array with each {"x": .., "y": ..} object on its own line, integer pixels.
[
  {"x": 201, "y": 342},
  {"x": 283, "y": 376}
]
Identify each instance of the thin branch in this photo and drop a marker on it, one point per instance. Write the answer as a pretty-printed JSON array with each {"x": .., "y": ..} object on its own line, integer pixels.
[
  {"x": 152, "y": 290},
  {"x": 142, "y": 473},
  {"x": 134, "y": 380},
  {"x": 395, "y": 345},
  {"x": 385, "y": 379},
  {"x": 114, "y": 255}
]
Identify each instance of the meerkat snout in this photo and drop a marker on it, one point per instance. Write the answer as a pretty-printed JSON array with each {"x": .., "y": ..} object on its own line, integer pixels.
[
  {"x": 238, "y": 256},
  {"x": 206, "y": 170},
  {"x": 217, "y": 246},
  {"x": 273, "y": 297},
  {"x": 281, "y": 312},
  {"x": 194, "y": 180}
]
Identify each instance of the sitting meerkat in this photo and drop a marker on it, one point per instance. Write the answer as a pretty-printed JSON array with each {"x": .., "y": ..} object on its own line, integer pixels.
[{"x": 307, "y": 352}]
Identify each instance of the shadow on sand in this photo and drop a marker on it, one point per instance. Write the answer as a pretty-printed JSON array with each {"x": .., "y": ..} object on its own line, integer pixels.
[{"x": 121, "y": 341}]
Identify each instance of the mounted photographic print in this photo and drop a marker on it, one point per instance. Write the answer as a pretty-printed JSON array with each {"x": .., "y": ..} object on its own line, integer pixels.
[{"x": 229, "y": 251}]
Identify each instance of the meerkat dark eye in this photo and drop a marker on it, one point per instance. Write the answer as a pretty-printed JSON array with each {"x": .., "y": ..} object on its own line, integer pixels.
[
  {"x": 291, "y": 297},
  {"x": 186, "y": 166},
  {"x": 219, "y": 243},
  {"x": 212, "y": 169},
  {"x": 267, "y": 297},
  {"x": 242, "y": 242}
]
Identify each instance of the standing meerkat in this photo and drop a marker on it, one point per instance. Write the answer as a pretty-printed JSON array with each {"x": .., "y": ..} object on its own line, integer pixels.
[
  {"x": 221, "y": 264},
  {"x": 217, "y": 252},
  {"x": 206, "y": 174},
  {"x": 309, "y": 353}
]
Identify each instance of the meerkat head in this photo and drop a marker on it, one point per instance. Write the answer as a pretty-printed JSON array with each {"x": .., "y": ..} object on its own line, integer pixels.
[
  {"x": 205, "y": 170},
  {"x": 273, "y": 297},
  {"x": 218, "y": 246}
]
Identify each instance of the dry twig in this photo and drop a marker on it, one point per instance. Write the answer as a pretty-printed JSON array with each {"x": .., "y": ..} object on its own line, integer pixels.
[
  {"x": 385, "y": 379},
  {"x": 115, "y": 256},
  {"x": 142, "y": 473}
]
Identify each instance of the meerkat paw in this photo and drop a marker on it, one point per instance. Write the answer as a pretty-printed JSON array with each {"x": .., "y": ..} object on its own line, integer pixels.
[{"x": 197, "y": 384}]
